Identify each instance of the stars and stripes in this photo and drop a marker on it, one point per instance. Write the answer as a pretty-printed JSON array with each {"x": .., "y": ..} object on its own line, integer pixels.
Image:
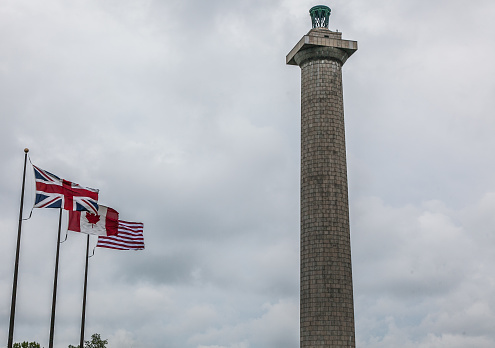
[
  {"x": 53, "y": 192},
  {"x": 129, "y": 237}
]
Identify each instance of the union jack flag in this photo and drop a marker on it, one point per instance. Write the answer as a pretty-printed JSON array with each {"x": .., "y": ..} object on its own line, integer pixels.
[{"x": 53, "y": 192}]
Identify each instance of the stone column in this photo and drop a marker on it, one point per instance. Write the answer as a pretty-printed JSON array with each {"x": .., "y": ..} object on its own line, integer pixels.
[{"x": 327, "y": 307}]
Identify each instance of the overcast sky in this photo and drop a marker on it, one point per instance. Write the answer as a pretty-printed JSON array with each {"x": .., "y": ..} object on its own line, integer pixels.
[{"x": 185, "y": 116}]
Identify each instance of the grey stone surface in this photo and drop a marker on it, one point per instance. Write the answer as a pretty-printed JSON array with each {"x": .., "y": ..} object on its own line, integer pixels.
[
  {"x": 321, "y": 37},
  {"x": 327, "y": 307},
  {"x": 324, "y": 53}
]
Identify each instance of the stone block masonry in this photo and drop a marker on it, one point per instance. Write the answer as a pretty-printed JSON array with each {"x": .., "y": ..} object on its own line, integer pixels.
[{"x": 326, "y": 303}]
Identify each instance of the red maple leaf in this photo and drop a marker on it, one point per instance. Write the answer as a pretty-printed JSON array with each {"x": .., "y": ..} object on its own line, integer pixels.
[{"x": 92, "y": 218}]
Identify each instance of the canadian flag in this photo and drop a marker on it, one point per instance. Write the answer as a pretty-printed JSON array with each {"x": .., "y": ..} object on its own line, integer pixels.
[{"x": 104, "y": 224}]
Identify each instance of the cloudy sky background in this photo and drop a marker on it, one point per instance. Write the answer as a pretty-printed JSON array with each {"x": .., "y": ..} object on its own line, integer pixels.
[{"x": 185, "y": 116}]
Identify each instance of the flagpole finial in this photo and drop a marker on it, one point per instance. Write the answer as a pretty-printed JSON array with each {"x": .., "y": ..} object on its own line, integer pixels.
[{"x": 26, "y": 150}]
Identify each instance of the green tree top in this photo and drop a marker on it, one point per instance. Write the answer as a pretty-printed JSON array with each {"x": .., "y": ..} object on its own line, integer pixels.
[
  {"x": 96, "y": 342},
  {"x": 27, "y": 345}
]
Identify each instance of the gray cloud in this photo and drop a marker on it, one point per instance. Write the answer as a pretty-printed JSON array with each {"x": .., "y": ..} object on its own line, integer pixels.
[{"x": 185, "y": 116}]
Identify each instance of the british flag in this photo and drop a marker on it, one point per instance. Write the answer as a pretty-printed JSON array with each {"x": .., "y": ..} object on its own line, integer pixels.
[{"x": 53, "y": 192}]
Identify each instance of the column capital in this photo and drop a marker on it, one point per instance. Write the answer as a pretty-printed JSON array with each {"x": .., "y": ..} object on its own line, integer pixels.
[
  {"x": 324, "y": 44},
  {"x": 315, "y": 53}
]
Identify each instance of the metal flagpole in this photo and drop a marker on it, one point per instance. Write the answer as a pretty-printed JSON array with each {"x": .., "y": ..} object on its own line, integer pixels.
[
  {"x": 54, "y": 300},
  {"x": 83, "y": 319},
  {"x": 16, "y": 267}
]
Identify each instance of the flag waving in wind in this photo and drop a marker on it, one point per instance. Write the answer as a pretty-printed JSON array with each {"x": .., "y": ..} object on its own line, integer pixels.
[
  {"x": 130, "y": 237},
  {"x": 53, "y": 192},
  {"x": 105, "y": 223},
  {"x": 112, "y": 232}
]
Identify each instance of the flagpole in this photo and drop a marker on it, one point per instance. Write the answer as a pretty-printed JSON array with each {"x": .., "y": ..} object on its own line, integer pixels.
[
  {"x": 18, "y": 249},
  {"x": 83, "y": 319},
  {"x": 54, "y": 299}
]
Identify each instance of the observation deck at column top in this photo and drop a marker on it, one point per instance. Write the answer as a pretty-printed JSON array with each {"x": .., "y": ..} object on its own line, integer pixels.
[{"x": 321, "y": 36}]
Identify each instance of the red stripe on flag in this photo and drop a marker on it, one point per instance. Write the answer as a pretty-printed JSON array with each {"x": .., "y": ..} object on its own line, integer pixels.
[
  {"x": 49, "y": 188},
  {"x": 130, "y": 237},
  {"x": 74, "y": 191},
  {"x": 74, "y": 221}
]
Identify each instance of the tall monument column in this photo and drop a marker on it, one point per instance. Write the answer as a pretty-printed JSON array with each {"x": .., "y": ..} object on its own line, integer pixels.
[{"x": 327, "y": 306}]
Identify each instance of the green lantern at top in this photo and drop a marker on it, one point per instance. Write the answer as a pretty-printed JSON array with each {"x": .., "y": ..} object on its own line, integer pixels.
[{"x": 320, "y": 16}]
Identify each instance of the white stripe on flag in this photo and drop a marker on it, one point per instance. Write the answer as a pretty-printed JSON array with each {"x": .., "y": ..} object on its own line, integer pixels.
[{"x": 129, "y": 237}]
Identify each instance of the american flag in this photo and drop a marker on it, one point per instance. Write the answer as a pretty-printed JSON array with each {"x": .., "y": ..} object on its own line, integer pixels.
[
  {"x": 129, "y": 237},
  {"x": 53, "y": 192}
]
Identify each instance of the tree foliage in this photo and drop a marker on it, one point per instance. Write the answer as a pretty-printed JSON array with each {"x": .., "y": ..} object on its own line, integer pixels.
[
  {"x": 96, "y": 342},
  {"x": 27, "y": 345}
]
